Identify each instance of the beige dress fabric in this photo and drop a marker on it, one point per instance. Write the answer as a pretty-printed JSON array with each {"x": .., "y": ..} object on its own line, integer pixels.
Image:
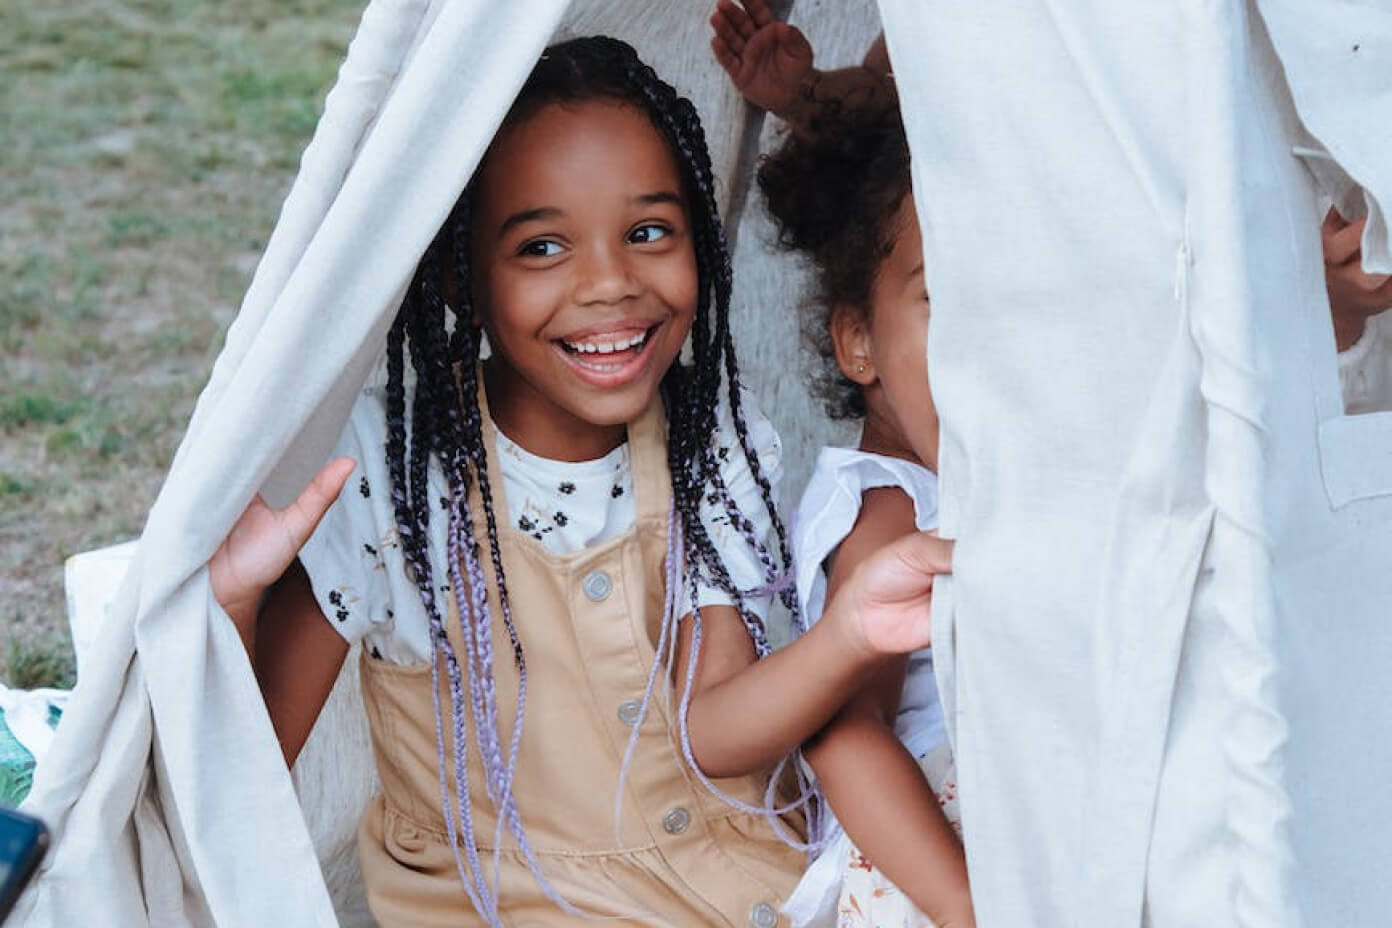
[
  {"x": 588, "y": 622},
  {"x": 869, "y": 899}
]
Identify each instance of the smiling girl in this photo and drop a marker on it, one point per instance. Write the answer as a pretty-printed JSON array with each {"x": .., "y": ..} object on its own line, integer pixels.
[{"x": 534, "y": 545}]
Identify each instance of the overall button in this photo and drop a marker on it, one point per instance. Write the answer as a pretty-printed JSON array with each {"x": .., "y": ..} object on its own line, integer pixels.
[
  {"x": 629, "y": 711},
  {"x": 597, "y": 586},
  {"x": 763, "y": 915},
  {"x": 676, "y": 821}
]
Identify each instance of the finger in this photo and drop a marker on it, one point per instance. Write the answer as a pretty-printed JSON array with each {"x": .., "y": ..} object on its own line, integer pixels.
[
  {"x": 1343, "y": 246},
  {"x": 926, "y": 553},
  {"x": 727, "y": 33},
  {"x": 759, "y": 12},
  {"x": 727, "y": 59},
  {"x": 1333, "y": 221},
  {"x": 303, "y": 515},
  {"x": 737, "y": 18}
]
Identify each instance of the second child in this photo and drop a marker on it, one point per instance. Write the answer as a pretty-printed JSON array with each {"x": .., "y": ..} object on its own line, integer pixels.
[{"x": 841, "y": 198}]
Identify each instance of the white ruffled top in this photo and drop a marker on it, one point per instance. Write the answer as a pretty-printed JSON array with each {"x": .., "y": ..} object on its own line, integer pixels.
[{"x": 825, "y": 516}]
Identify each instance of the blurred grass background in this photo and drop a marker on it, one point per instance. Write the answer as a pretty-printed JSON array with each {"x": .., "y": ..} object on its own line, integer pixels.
[{"x": 147, "y": 145}]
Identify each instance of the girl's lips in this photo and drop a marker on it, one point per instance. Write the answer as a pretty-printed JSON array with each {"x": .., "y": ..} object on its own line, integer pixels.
[{"x": 614, "y": 367}]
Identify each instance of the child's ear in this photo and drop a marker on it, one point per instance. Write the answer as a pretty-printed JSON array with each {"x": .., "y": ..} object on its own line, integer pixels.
[{"x": 850, "y": 337}]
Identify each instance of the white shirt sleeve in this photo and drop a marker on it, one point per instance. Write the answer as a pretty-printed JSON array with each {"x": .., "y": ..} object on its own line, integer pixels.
[
  {"x": 741, "y": 561},
  {"x": 354, "y": 553}
]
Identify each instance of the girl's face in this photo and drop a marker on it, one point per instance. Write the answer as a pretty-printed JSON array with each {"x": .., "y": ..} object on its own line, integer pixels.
[
  {"x": 584, "y": 274},
  {"x": 901, "y": 418}
]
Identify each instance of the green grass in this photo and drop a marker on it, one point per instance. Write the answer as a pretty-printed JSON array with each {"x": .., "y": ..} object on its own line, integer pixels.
[
  {"x": 22, "y": 409},
  {"x": 148, "y": 145},
  {"x": 30, "y": 665}
]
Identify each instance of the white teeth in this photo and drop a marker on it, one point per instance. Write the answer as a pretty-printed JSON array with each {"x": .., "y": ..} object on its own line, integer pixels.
[{"x": 607, "y": 347}]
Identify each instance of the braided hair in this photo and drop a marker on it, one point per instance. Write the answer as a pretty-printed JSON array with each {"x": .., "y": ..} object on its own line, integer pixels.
[{"x": 439, "y": 340}]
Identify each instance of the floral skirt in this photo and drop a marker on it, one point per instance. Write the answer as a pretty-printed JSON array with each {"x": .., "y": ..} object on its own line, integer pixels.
[{"x": 868, "y": 898}]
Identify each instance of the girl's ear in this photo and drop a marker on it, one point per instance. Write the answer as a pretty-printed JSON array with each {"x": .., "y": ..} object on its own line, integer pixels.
[{"x": 850, "y": 336}]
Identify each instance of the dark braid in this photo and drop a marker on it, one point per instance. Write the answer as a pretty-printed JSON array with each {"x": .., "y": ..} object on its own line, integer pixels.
[
  {"x": 446, "y": 430},
  {"x": 691, "y": 423}
]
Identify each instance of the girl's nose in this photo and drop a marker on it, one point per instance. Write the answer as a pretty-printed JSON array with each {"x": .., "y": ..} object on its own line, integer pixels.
[{"x": 605, "y": 276}]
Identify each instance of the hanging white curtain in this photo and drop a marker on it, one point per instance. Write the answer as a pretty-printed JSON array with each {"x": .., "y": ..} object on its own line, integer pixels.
[
  {"x": 164, "y": 787},
  {"x": 1163, "y": 649}
]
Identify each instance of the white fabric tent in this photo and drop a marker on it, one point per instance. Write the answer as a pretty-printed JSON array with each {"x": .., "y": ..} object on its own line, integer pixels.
[{"x": 1161, "y": 649}]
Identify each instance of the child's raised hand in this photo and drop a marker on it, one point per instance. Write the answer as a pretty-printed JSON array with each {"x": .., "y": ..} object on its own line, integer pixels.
[
  {"x": 264, "y": 542},
  {"x": 1354, "y": 295},
  {"x": 767, "y": 60},
  {"x": 886, "y": 602}
]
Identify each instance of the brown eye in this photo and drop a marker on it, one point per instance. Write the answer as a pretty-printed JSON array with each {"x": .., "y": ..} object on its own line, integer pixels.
[
  {"x": 540, "y": 248},
  {"x": 646, "y": 234}
]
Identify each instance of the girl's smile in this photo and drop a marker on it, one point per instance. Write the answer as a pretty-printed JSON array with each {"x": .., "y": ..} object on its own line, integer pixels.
[
  {"x": 584, "y": 274},
  {"x": 610, "y": 356}
]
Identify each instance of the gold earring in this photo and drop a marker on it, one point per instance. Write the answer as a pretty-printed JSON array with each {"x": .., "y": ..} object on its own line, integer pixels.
[{"x": 860, "y": 367}]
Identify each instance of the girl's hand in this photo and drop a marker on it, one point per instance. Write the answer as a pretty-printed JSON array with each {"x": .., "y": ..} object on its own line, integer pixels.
[
  {"x": 767, "y": 60},
  {"x": 1353, "y": 294},
  {"x": 264, "y": 542},
  {"x": 886, "y": 602}
]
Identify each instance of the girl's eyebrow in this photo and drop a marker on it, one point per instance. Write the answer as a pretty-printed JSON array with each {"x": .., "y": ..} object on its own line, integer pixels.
[
  {"x": 661, "y": 196},
  {"x": 528, "y": 215},
  {"x": 551, "y": 212}
]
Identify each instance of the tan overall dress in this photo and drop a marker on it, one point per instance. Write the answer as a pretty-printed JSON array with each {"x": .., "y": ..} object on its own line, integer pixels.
[{"x": 589, "y": 623}]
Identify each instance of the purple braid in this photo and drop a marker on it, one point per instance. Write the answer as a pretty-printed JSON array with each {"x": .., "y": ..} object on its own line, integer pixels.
[
  {"x": 410, "y": 501},
  {"x": 465, "y": 351}
]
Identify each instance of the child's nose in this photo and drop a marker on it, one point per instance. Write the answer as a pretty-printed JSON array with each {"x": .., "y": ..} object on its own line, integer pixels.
[{"x": 605, "y": 276}]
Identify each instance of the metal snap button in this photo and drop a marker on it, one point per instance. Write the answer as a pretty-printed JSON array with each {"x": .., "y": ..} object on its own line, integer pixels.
[
  {"x": 629, "y": 711},
  {"x": 763, "y": 915},
  {"x": 676, "y": 821},
  {"x": 597, "y": 586}
]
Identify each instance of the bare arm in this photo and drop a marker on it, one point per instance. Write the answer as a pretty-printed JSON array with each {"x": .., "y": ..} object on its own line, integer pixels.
[
  {"x": 796, "y": 690},
  {"x": 898, "y": 825},
  {"x": 298, "y": 657},
  {"x": 258, "y": 581},
  {"x": 882, "y": 609}
]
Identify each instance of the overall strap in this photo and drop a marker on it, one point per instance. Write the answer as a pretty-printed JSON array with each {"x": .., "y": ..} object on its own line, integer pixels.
[{"x": 652, "y": 480}]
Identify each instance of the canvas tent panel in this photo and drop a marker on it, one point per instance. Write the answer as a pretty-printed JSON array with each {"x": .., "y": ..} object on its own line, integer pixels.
[
  {"x": 1230, "y": 206},
  {"x": 1052, "y": 322},
  {"x": 1331, "y": 500}
]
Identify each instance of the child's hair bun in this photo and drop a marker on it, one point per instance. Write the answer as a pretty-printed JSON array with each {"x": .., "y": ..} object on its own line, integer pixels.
[
  {"x": 851, "y": 169},
  {"x": 833, "y": 195}
]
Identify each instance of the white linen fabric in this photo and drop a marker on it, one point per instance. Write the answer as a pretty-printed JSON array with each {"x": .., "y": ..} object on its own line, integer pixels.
[
  {"x": 825, "y": 516},
  {"x": 1155, "y": 653},
  {"x": 354, "y": 559}
]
